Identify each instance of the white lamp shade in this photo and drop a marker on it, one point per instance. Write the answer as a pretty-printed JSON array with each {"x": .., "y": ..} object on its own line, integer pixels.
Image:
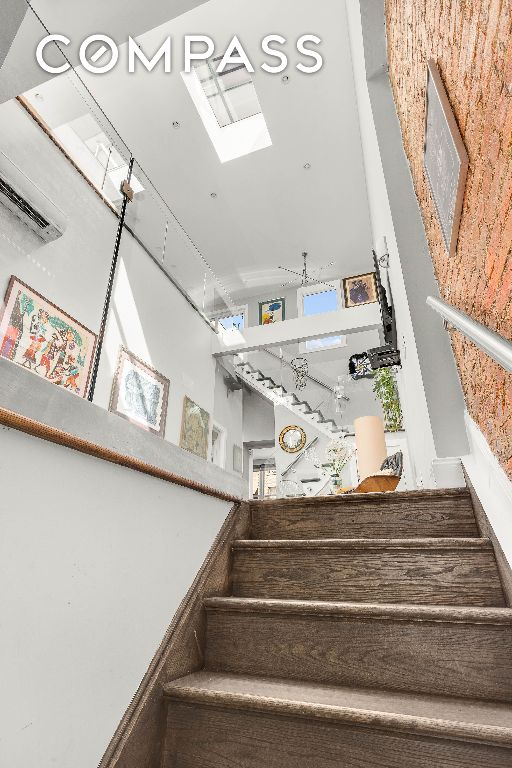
[{"x": 370, "y": 445}]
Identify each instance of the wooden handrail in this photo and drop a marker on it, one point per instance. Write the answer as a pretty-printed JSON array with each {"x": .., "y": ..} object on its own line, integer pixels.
[{"x": 66, "y": 439}]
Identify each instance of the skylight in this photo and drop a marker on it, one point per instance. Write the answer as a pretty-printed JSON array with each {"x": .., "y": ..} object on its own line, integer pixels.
[
  {"x": 229, "y": 108},
  {"x": 231, "y": 94}
]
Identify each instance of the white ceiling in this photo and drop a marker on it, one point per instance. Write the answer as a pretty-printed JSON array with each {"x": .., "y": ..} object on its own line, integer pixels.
[
  {"x": 77, "y": 19},
  {"x": 268, "y": 208}
]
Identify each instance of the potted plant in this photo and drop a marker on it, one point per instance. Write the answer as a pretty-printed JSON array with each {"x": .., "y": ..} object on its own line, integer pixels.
[
  {"x": 385, "y": 388},
  {"x": 338, "y": 454}
]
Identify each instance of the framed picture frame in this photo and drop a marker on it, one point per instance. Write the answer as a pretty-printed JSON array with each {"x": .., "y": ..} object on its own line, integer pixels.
[
  {"x": 360, "y": 289},
  {"x": 445, "y": 158},
  {"x": 44, "y": 339},
  {"x": 195, "y": 429},
  {"x": 292, "y": 439},
  {"x": 271, "y": 311},
  {"x": 140, "y": 394}
]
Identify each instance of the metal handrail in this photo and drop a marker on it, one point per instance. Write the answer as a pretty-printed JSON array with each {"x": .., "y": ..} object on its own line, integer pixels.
[
  {"x": 308, "y": 375},
  {"x": 299, "y": 457},
  {"x": 492, "y": 343}
]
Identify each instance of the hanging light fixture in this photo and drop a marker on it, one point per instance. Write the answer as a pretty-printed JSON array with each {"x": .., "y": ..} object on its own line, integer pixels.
[
  {"x": 305, "y": 277},
  {"x": 299, "y": 366}
]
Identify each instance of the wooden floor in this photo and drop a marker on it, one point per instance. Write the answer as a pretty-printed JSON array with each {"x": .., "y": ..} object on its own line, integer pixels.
[{"x": 360, "y": 632}]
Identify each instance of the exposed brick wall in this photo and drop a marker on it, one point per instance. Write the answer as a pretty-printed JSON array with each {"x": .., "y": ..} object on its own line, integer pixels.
[{"x": 471, "y": 40}]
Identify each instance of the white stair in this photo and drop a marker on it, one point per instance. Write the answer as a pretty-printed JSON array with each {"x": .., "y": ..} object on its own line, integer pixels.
[{"x": 277, "y": 395}]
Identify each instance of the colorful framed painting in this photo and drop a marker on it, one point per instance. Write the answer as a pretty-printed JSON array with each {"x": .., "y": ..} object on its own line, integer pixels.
[
  {"x": 272, "y": 311},
  {"x": 139, "y": 393},
  {"x": 195, "y": 429},
  {"x": 360, "y": 289},
  {"x": 42, "y": 338}
]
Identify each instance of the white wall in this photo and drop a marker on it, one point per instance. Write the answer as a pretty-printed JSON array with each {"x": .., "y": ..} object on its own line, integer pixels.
[
  {"x": 94, "y": 561},
  {"x": 412, "y": 394},
  {"x": 258, "y": 419}
]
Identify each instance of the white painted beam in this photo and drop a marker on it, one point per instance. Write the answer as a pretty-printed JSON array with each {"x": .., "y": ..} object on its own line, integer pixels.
[{"x": 339, "y": 323}]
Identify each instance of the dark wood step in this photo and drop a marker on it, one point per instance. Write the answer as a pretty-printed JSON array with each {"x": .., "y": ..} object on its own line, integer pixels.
[
  {"x": 447, "y": 717},
  {"x": 217, "y": 720},
  {"x": 463, "y": 652},
  {"x": 429, "y": 571},
  {"x": 373, "y": 515}
]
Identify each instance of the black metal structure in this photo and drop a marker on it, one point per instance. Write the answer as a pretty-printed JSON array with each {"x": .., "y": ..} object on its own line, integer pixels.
[
  {"x": 388, "y": 355},
  {"x": 125, "y": 189}
]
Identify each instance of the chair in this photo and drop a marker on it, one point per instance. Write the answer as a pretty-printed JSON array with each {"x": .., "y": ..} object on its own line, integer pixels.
[{"x": 384, "y": 481}]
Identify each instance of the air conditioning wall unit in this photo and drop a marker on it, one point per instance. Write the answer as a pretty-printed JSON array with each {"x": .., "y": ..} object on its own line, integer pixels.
[{"x": 29, "y": 203}]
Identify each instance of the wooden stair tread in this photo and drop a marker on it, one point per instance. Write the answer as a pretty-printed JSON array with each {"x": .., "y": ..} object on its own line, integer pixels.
[
  {"x": 376, "y": 498},
  {"x": 432, "y": 543},
  {"x": 433, "y": 571},
  {"x": 407, "y": 514},
  {"x": 391, "y": 612},
  {"x": 444, "y": 717}
]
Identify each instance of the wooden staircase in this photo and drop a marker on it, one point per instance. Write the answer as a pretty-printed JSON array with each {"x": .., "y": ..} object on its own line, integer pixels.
[{"x": 361, "y": 632}]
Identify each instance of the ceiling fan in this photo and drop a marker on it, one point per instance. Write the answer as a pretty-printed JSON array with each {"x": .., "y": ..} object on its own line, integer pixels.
[{"x": 306, "y": 278}]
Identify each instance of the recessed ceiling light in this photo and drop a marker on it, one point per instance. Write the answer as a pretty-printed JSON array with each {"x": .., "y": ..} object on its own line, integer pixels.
[
  {"x": 307, "y": 166},
  {"x": 176, "y": 125},
  {"x": 214, "y": 195},
  {"x": 285, "y": 79}
]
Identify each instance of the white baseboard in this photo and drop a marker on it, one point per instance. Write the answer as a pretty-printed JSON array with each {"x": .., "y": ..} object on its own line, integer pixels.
[{"x": 491, "y": 484}]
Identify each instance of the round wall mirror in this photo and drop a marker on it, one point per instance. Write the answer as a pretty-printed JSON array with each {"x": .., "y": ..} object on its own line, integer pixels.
[{"x": 292, "y": 439}]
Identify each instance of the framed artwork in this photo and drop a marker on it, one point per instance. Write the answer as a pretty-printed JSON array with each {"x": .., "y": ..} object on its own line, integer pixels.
[
  {"x": 272, "y": 311},
  {"x": 195, "y": 429},
  {"x": 445, "y": 158},
  {"x": 292, "y": 439},
  {"x": 139, "y": 393},
  {"x": 360, "y": 289},
  {"x": 238, "y": 459},
  {"x": 42, "y": 338}
]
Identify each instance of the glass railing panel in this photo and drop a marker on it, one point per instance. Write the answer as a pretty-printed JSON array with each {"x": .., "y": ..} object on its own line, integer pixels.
[
  {"x": 57, "y": 230},
  {"x": 66, "y": 110}
]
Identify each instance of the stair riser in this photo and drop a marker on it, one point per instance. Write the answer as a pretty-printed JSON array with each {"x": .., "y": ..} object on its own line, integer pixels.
[
  {"x": 360, "y": 518},
  {"x": 466, "y": 577},
  {"x": 210, "y": 737},
  {"x": 453, "y": 659}
]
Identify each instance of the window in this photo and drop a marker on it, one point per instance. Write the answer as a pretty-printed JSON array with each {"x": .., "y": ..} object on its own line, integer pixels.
[
  {"x": 229, "y": 107},
  {"x": 235, "y": 320},
  {"x": 232, "y": 321},
  {"x": 264, "y": 482},
  {"x": 231, "y": 94},
  {"x": 316, "y": 300}
]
